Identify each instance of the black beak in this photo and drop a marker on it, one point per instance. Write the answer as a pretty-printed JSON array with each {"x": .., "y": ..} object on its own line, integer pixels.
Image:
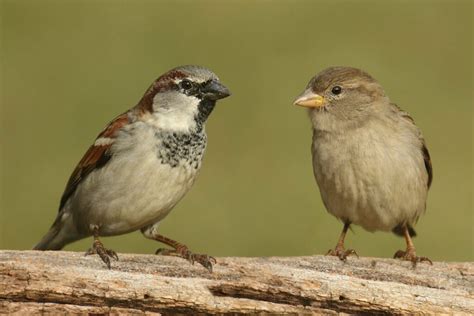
[{"x": 214, "y": 90}]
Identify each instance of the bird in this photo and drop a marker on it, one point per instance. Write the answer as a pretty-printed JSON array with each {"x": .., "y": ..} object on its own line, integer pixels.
[
  {"x": 370, "y": 160},
  {"x": 140, "y": 166}
]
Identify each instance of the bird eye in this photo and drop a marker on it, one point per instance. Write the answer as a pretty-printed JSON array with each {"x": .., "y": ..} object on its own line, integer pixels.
[
  {"x": 186, "y": 84},
  {"x": 336, "y": 90}
]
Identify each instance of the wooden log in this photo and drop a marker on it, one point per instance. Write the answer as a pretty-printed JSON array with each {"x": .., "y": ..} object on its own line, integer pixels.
[{"x": 68, "y": 282}]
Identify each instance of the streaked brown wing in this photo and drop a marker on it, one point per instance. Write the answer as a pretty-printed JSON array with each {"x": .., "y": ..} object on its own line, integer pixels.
[
  {"x": 424, "y": 149},
  {"x": 95, "y": 157},
  {"x": 428, "y": 166}
]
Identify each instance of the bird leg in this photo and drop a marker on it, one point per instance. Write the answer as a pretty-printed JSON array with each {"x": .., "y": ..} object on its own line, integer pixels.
[
  {"x": 410, "y": 253},
  {"x": 339, "y": 251},
  {"x": 99, "y": 249},
  {"x": 182, "y": 251}
]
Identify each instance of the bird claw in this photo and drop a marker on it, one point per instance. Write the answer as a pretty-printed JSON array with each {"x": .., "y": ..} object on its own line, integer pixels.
[
  {"x": 410, "y": 255},
  {"x": 183, "y": 252},
  {"x": 341, "y": 253},
  {"x": 112, "y": 254},
  {"x": 104, "y": 253}
]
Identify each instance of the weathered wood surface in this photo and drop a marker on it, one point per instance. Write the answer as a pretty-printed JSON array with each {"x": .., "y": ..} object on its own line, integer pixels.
[{"x": 68, "y": 282}]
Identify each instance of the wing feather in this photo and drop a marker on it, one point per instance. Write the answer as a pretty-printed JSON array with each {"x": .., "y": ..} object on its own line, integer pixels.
[
  {"x": 96, "y": 156},
  {"x": 428, "y": 165},
  {"x": 423, "y": 148}
]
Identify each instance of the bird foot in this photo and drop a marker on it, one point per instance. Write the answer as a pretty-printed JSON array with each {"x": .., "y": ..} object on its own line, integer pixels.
[
  {"x": 341, "y": 253},
  {"x": 183, "y": 252},
  {"x": 410, "y": 255},
  {"x": 104, "y": 253}
]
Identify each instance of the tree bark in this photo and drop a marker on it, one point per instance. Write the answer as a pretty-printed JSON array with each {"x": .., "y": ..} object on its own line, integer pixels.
[{"x": 68, "y": 282}]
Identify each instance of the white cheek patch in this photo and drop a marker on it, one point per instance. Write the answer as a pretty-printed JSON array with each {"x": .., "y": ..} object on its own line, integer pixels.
[
  {"x": 103, "y": 141},
  {"x": 175, "y": 112}
]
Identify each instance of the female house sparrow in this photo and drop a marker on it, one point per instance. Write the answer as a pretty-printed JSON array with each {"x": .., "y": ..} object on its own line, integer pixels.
[
  {"x": 140, "y": 166},
  {"x": 369, "y": 158}
]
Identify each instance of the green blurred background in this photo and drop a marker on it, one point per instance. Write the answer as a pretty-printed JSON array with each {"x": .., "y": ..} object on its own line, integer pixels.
[{"x": 68, "y": 67}]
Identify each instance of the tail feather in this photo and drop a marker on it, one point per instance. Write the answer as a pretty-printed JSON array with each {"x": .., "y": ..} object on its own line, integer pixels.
[
  {"x": 400, "y": 230},
  {"x": 50, "y": 241},
  {"x": 60, "y": 234}
]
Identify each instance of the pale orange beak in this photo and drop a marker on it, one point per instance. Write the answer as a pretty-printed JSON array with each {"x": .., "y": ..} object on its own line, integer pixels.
[{"x": 309, "y": 99}]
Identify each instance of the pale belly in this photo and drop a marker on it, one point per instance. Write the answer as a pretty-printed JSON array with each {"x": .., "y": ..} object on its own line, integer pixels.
[
  {"x": 121, "y": 198},
  {"x": 132, "y": 190},
  {"x": 370, "y": 181}
]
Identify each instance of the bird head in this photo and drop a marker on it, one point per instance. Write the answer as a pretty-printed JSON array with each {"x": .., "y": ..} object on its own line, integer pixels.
[
  {"x": 183, "y": 97},
  {"x": 340, "y": 89}
]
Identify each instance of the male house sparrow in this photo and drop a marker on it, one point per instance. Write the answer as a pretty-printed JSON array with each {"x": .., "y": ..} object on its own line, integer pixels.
[
  {"x": 369, "y": 158},
  {"x": 140, "y": 166}
]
